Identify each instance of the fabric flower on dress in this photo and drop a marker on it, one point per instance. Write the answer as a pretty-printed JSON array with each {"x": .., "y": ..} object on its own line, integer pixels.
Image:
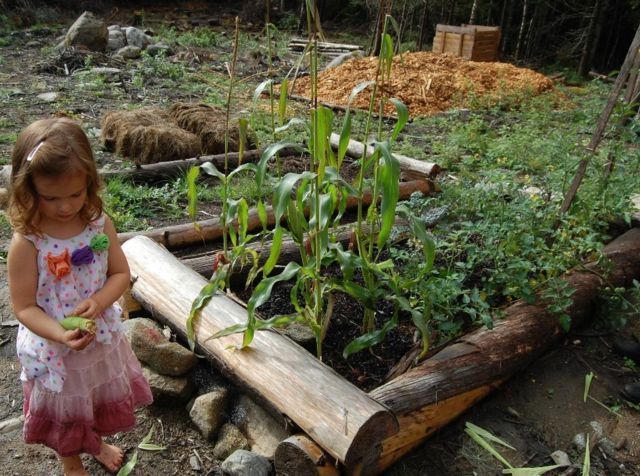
[
  {"x": 82, "y": 255},
  {"x": 100, "y": 242},
  {"x": 59, "y": 265}
]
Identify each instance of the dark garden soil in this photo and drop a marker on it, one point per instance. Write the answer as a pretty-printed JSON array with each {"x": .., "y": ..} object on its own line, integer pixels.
[{"x": 538, "y": 411}]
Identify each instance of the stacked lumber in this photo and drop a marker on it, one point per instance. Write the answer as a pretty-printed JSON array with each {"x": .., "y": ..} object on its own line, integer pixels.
[{"x": 298, "y": 45}]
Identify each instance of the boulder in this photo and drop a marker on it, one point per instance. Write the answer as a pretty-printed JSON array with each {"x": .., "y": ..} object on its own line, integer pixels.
[
  {"x": 245, "y": 463},
  {"x": 208, "y": 410},
  {"x": 230, "y": 439},
  {"x": 88, "y": 31}
]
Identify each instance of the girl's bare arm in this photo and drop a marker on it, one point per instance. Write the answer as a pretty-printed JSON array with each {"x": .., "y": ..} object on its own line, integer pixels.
[{"x": 118, "y": 277}]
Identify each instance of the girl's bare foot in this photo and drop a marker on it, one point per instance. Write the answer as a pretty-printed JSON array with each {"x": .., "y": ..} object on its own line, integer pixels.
[
  {"x": 110, "y": 456},
  {"x": 72, "y": 466}
]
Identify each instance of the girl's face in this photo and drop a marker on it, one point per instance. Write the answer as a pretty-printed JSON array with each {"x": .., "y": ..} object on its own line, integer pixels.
[{"x": 61, "y": 198}]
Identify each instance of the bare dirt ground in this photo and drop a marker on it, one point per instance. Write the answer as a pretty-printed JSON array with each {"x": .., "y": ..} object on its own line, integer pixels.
[{"x": 538, "y": 411}]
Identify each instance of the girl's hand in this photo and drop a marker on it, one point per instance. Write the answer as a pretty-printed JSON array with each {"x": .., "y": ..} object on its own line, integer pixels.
[
  {"x": 76, "y": 339},
  {"x": 88, "y": 308}
]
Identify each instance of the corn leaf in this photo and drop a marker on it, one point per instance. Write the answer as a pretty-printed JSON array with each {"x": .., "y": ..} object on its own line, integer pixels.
[
  {"x": 403, "y": 117},
  {"x": 243, "y": 126},
  {"x": 488, "y": 435},
  {"x": 192, "y": 192},
  {"x": 146, "y": 444},
  {"x": 261, "y": 294},
  {"x": 530, "y": 471},
  {"x": 127, "y": 468},
  {"x": 389, "y": 176},
  {"x": 370, "y": 338},
  {"x": 586, "y": 464},
  {"x": 587, "y": 385},
  {"x": 487, "y": 446},
  {"x": 282, "y": 103},
  {"x": 276, "y": 245}
]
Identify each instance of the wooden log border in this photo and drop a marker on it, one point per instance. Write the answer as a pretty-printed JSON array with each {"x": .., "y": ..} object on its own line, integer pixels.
[{"x": 367, "y": 435}]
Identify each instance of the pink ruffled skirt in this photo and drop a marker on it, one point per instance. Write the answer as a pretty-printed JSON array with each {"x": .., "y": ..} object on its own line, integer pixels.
[{"x": 103, "y": 386}]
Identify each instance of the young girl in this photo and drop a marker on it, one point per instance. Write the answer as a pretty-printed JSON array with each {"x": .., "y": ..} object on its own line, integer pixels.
[{"x": 65, "y": 260}]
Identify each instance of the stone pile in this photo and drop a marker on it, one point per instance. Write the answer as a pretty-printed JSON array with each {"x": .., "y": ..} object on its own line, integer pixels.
[{"x": 244, "y": 435}]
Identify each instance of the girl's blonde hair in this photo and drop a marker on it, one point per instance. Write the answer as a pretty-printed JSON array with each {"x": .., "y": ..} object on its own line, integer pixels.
[{"x": 50, "y": 148}]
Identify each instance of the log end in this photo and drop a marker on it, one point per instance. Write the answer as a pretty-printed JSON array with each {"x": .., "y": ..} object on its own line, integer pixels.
[
  {"x": 300, "y": 456},
  {"x": 364, "y": 453}
]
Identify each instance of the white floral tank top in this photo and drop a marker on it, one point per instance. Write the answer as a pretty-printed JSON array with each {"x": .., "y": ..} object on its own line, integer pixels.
[{"x": 69, "y": 270}]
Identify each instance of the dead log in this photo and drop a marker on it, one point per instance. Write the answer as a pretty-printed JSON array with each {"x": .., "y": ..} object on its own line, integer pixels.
[
  {"x": 412, "y": 169},
  {"x": 448, "y": 383},
  {"x": 206, "y": 231},
  {"x": 343, "y": 420},
  {"x": 162, "y": 170}
]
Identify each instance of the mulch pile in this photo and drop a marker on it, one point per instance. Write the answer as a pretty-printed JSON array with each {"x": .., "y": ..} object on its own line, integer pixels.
[{"x": 427, "y": 83}]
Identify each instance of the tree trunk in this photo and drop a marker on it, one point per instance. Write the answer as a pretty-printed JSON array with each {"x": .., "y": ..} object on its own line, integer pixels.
[
  {"x": 506, "y": 29},
  {"x": 523, "y": 24},
  {"x": 586, "y": 58},
  {"x": 423, "y": 24},
  {"x": 474, "y": 9}
]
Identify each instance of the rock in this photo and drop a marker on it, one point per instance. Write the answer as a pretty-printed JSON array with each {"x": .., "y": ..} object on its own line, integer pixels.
[
  {"x": 561, "y": 458},
  {"x": 110, "y": 74},
  {"x": 48, "y": 97},
  {"x": 159, "y": 49},
  {"x": 608, "y": 446},
  {"x": 208, "y": 410},
  {"x": 245, "y": 463},
  {"x": 167, "y": 389},
  {"x": 88, "y": 31},
  {"x": 117, "y": 39},
  {"x": 580, "y": 441},
  {"x": 11, "y": 424},
  {"x": 131, "y": 323},
  {"x": 5, "y": 176},
  {"x": 165, "y": 357},
  {"x": 195, "y": 464},
  {"x": 130, "y": 52},
  {"x": 263, "y": 432},
  {"x": 230, "y": 439},
  {"x": 136, "y": 37},
  {"x": 300, "y": 333},
  {"x": 4, "y": 198}
]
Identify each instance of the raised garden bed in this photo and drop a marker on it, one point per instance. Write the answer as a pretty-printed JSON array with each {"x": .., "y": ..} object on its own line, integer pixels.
[{"x": 364, "y": 432}]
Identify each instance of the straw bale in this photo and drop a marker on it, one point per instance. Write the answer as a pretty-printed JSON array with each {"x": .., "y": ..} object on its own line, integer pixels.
[
  {"x": 157, "y": 143},
  {"x": 209, "y": 123},
  {"x": 115, "y": 124}
]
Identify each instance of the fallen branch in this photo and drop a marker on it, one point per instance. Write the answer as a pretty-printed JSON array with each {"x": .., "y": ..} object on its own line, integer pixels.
[{"x": 412, "y": 169}]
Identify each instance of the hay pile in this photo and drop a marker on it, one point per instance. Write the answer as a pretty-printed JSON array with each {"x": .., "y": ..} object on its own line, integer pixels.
[
  {"x": 150, "y": 135},
  {"x": 428, "y": 83}
]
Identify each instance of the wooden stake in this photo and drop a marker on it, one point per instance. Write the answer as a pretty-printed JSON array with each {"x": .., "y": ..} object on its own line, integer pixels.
[{"x": 602, "y": 123}]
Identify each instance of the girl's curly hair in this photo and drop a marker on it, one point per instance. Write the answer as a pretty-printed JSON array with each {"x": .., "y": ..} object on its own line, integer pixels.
[{"x": 50, "y": 147}]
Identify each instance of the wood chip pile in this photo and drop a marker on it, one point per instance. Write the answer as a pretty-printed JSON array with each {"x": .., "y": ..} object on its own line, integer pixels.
[{"x": 427, "y": 83}]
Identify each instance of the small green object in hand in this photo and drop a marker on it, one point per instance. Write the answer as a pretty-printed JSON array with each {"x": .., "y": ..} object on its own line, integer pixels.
[{"x": 74, "y": 322}]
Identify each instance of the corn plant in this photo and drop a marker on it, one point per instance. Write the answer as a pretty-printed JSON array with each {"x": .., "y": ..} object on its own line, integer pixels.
[{"x": 307, "y": 206}]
